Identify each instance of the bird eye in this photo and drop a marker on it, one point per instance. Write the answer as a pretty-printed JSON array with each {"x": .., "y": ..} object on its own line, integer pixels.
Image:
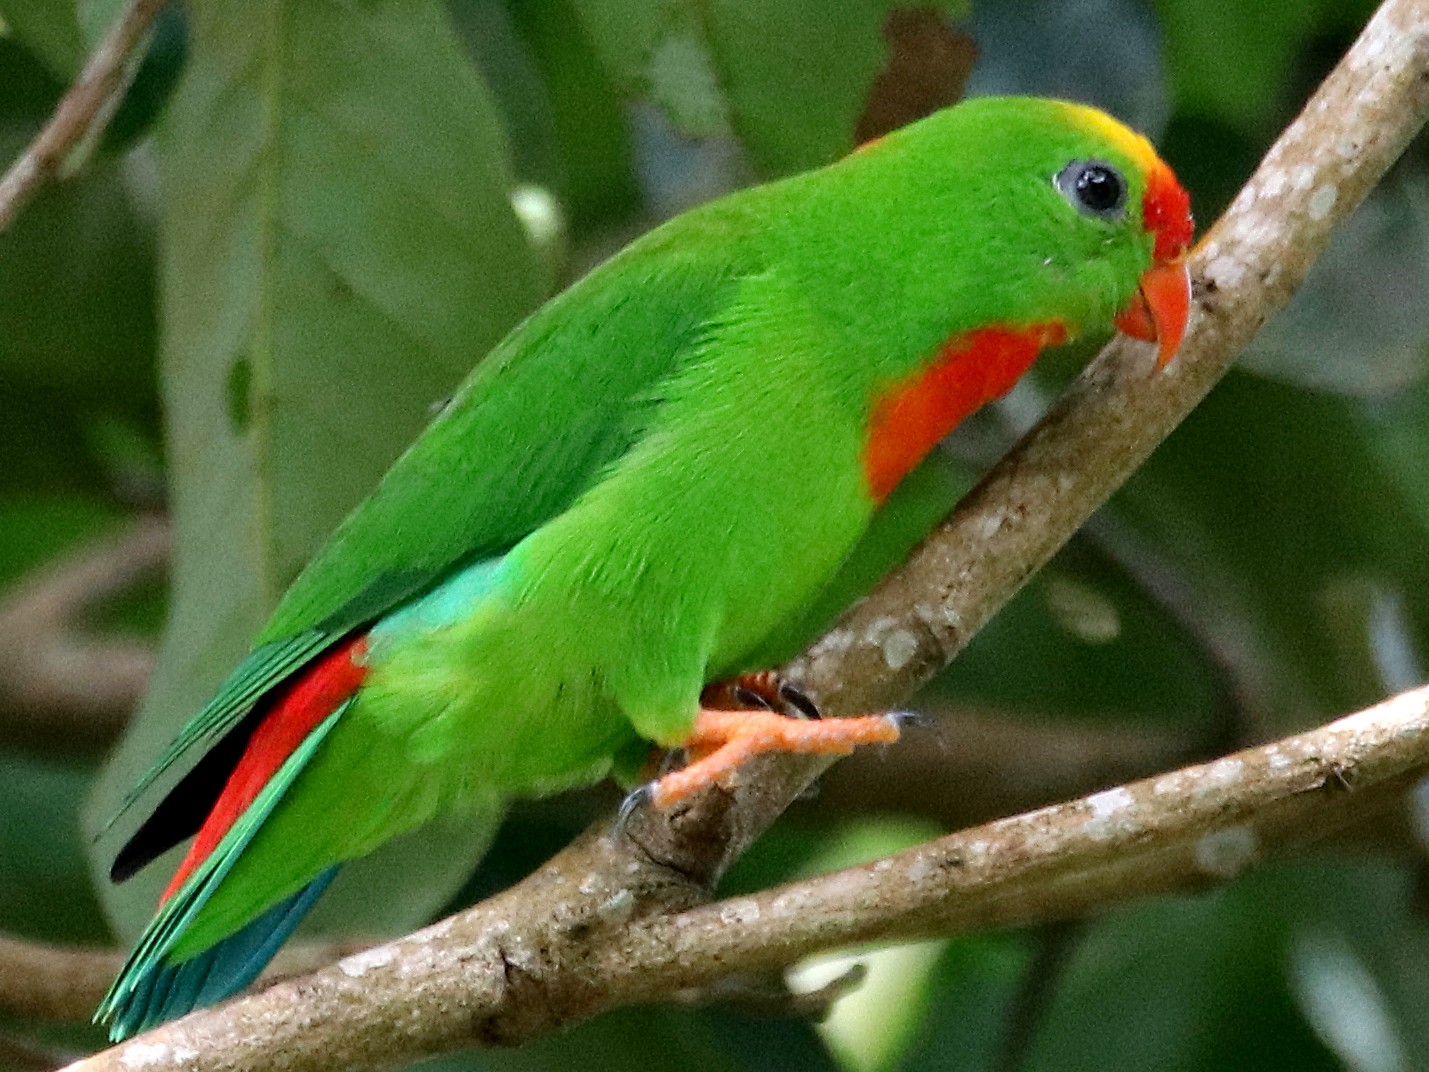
[{"x": 1094, "y": 188}]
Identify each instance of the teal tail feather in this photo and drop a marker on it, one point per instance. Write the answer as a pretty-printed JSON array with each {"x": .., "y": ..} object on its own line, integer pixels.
[
  {"x": 167, "y": 991},
  {"x": 151, "y": 987}
]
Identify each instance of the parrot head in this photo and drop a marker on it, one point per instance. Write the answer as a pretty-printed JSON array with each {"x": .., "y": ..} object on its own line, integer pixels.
[
  {"x": 1159, "y": 309},
  {"x": 1026, "y": 214}
]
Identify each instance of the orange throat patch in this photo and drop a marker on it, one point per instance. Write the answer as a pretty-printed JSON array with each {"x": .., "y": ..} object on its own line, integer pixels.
[{"x": 911, "y": 415}]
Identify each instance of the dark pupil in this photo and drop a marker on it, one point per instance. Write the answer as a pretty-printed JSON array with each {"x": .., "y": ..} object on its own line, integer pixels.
[{"x": 1098, "y": 189}]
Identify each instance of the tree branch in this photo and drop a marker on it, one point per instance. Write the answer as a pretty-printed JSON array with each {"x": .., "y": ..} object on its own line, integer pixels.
[
  {"x": 616, "y": 921},
  {"x": 59, "y": 685},
  {"x": 572, "y": 940},
  {"x": 83, "y": 111}
]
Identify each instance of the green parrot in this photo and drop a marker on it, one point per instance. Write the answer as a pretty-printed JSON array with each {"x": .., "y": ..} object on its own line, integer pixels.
[{"x": 646, "y": 479}]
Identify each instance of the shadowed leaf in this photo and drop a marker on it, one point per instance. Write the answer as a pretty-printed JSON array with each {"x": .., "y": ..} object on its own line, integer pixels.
[{"x": 339, "y": 249}]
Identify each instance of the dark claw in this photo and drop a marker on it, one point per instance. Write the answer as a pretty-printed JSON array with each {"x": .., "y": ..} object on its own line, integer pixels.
[
  {"x": 746, "y": 699},
  {"x": 633, "y": 800},
  {"x": 796, "y": 703},
  {"x": 923, "y": 723},
  {"x": 673, "y": 759}
]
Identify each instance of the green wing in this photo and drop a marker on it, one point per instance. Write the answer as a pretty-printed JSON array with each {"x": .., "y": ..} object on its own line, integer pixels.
[
  {"x": 557, "y": 400},
  {"x": 554, "y": 403}
]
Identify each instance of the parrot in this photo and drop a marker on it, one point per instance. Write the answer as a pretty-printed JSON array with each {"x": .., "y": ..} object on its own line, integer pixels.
[{"x": 646, "y": 478}]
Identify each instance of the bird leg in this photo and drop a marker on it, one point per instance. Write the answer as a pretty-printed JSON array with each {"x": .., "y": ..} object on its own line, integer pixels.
[{"x": 722, "y": 740}]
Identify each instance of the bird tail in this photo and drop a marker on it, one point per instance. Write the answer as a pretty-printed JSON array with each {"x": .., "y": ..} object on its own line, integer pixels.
[
  {"x": 168, "y": 990},
  {"x": 154, "y": 985}
]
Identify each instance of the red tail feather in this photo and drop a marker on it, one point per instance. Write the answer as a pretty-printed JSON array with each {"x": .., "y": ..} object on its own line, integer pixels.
[{"x": 314, "y": 695}]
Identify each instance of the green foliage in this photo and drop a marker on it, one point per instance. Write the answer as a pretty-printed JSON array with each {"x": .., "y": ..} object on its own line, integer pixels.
[
  {"x": 49, "y": 31},
  {"x": 749, "y": 67},
  {"x": 287, "y": 258},
  {"x": 350, "y": 225}
]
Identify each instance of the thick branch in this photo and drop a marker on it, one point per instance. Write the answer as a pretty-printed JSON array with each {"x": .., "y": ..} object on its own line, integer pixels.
[
  {"x": 569, "y": 941},
  {"x": 81, "y": 112},
  {"x": 611, "y": 921},
  {"x": 61, "y": 685},
  {"x": 1171, "y": 832}
]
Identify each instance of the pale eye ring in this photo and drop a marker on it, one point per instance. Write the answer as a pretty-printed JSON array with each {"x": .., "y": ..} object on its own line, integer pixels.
[{"x": 1093, "y": 187}]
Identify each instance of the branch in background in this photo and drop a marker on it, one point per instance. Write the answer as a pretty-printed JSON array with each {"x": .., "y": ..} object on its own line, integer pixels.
[
  {"x": 1225, "y": 640},
  {"x": 578, "y": 936},
  {"x": 82, "y": 112},
  {"x": 62, "y": 984},
  {"x": 976, "y": 765},
  {"x": 61, "y": 686}
]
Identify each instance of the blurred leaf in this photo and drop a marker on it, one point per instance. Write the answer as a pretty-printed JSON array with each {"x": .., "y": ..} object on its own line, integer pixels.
[
  {"x": 49, "y": 29},
  {"x": 1356, "y": 962},
  {"x": 95, "y": 17},
  {"x": 45, "y": 889},
  {"x": 869, "y": 1027},
  {"x": 1266, "y": 495},
  {"x": 797, "y": 74},
  {"x": 596, "y": 181},
  {"x": 1369, "y": 631},
  {"x": 42, "y": 442},
  {"x": 1359, "y": 324},
  {"x": 1211, "y": 158},
  {"x": 1232, "y": 60},
  {"x": 790, "y": 78},
  {"x": 487, "y": 28},
  {"x": 154, "y": 80},
  {"x": 1101, "y": 52},
  {"x": 975, "y": 981},
  {"x": 655, "y": 1038},
  {"x": 76, "y": 286},
  {"x": 1397, "y": 432},
  {"x": 1181, "y": 984},
  {"x": 45, "y": 892},
  {"x": 77, "y": 295},
  {"x": 339, "y": 249},
  {"x": 1344, "y": 1004},
  {"x": 36, "y": 528},
  {"x": 1083, "y": 639}
]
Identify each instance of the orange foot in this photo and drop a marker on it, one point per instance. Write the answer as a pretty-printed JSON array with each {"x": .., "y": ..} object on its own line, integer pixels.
[{"x": 722, "y": 740}]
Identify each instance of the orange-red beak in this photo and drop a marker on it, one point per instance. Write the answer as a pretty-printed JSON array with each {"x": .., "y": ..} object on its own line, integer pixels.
[{"x": 1159, "y": 311}]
